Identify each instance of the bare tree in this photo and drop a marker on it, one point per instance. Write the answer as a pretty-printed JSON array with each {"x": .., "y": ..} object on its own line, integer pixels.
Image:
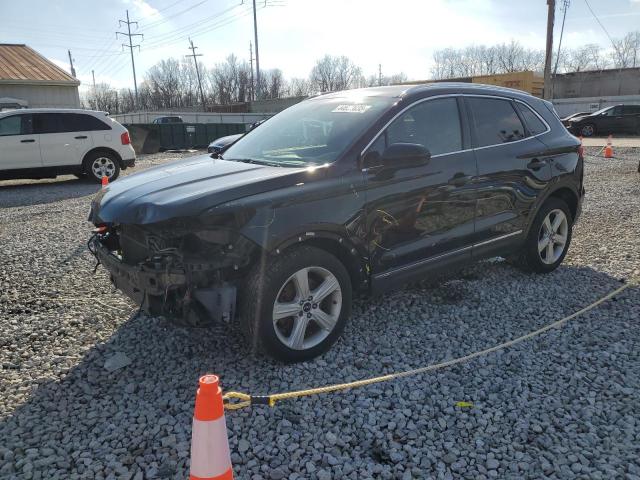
[
  {"x": 482, "y": 60},
  {"x": 627, "y": 51},
  {"x": 588, "y": 57},
  {"x": 103, "y": 98},
  {"x": 334, "y": 73},
  {"x": 299, "y": 87}
]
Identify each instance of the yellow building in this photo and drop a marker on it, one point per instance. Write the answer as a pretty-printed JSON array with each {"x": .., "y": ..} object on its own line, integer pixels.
[{"x": 527, "y": 81}]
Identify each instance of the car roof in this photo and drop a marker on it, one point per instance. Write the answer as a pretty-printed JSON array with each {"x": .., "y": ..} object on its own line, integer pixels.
[
  {"x": 54, "y": 110},
  {"x": 436, "y": 88}
]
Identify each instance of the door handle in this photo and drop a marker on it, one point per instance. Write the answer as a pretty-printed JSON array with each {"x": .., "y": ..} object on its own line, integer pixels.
[
  {"x": 536, "y": 164},
  {"x": 80, "y": 137},
  {"x": 459, "y": 180},
  {"x": 27, "y": 140}
]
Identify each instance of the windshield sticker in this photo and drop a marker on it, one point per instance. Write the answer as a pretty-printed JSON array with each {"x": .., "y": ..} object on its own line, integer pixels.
[{"x": 353, "y": 108}]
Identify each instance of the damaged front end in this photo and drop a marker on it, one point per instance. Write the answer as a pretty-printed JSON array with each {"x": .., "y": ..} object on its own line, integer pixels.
[{"x": 186, "y": 269}]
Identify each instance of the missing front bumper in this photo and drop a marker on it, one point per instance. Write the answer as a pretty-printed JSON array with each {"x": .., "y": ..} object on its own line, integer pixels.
[{"x": 161, "y": 290}]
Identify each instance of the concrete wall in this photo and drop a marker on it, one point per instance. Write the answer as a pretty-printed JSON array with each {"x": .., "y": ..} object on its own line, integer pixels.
[
  {"x": 42, "y": 96},
  {"x": 604, "y": 83},
  {"x": 192, "y": 117},
  {"x": 273, "y": 106},
  {"x": 567, "y": 106}
]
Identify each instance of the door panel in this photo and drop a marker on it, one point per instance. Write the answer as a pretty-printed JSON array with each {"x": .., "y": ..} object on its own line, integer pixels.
[
  {"x": 61, "y": 142},
  {"x": 512, "y": 170},
  {"x": 19, "y": 147},
  {"x": 419, "y": 212}
]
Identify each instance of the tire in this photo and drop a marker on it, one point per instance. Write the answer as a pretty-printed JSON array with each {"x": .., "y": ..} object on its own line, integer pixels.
[
  {"x": 105, "y": 162},
  {"x": 531, "y": 258},
  {"x": 274, "y": 284},
  {"x": 588, "y": 130}
]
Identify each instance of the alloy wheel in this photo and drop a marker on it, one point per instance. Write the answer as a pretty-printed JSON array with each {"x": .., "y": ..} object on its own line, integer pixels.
[
  {"x": 553, "y": 235},
  {"x": 307, "y": 308},
  {"x": 587, "y": 130},
  {"x": 103, "y": 166}
]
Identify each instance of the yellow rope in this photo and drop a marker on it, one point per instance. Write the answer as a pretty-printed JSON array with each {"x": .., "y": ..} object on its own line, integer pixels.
[{"x": 238, "y": 400}]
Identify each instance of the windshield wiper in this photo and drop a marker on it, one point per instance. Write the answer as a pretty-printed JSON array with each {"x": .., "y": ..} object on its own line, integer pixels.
[{"x": 254, "y": 161}]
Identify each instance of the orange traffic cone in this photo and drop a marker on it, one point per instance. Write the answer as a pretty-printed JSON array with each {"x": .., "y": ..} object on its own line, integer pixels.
[
  {"x": 608, "y": 150},
  {"x": 105, "y": 181},
  {"x": 210, "y": 457}
]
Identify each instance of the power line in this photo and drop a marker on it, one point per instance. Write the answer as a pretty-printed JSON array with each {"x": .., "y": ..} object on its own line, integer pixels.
[
  {"x": 615, "y": 47},
  {"x": 565, "y": 7},
  {"x": 189, "y": 28},
  {"x": 193, "y": 33},
  {"x": 155, "y": 23},
  {"x": 130, "y": 45}
]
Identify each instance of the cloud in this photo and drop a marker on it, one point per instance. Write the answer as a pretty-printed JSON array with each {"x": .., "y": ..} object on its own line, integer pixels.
[
  {"x": 143, "y": 8},
  {"x": 61, "y": 63}
]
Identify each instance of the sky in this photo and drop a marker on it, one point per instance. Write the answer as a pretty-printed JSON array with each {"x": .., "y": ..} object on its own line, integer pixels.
[{"x": 401, "y": 35}]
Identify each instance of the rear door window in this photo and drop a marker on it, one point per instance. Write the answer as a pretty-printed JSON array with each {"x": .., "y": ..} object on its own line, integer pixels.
[
  {"x": 48, "y": 123},
  {"x": 535, "y": 126},
  {"x": 631, "y": 109},
  {"x": 495, "y": 121},
  {"x": 435, "y": 124}
]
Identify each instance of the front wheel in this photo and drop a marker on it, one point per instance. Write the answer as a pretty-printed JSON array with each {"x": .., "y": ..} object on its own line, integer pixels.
[
  {"x": 548, "y": 240},
  {"x": 295, "y": 306},
  {"x": 102, "y": 164}
]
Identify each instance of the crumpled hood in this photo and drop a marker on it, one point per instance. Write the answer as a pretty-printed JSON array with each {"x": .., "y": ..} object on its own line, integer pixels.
[{"x": 184, "y": 188}]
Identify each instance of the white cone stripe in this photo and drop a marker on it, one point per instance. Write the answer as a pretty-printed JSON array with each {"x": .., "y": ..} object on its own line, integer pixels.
[{"x": 210, "y": 455}]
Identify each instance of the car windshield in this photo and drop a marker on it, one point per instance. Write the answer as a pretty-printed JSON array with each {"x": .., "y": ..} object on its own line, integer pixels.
[{"x": 313, "y": 132}]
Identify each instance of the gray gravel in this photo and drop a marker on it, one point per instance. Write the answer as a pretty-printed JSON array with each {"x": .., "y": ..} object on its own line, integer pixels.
[{"x": 563, "y": 405}]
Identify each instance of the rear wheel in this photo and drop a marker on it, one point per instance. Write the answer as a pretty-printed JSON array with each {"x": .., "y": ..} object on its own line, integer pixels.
[
  {"x": 295, "y": 306},
  {"x": 548, "y": 240},
  {"x": 588, "y": 130},
  {"x": 100, "y": 164}
]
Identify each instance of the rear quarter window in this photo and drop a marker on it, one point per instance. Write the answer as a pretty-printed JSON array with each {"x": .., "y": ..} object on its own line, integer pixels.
[
  {"x": 534, "y": 125},
  {"x": 80, "y": 122}
]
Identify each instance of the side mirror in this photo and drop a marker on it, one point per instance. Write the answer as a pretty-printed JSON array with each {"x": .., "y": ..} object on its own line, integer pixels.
[{"x": 398, "y": 155}]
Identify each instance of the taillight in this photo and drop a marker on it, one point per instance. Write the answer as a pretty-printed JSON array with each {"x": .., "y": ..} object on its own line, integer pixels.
[
  {"x": 581, "y": 151},
  {"x": 124, "y": 138}
]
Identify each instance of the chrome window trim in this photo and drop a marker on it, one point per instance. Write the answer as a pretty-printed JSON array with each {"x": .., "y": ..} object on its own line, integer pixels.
[
  {"x": 455, "y": 95},
  {"x": 444, "y": 255},
  {"x": 422, "y": 262}
]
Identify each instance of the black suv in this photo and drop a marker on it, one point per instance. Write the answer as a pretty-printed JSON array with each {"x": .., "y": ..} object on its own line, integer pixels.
[
  {"x": 356, "y": 190},
  {"x": 618, "y": 119}
]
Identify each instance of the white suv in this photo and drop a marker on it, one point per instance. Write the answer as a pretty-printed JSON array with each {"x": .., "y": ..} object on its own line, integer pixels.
[{"x": 43, "y": 143}]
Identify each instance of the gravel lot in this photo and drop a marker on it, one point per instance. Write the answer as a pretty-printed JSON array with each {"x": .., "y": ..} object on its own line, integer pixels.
[{"x": 563, "y": 405}]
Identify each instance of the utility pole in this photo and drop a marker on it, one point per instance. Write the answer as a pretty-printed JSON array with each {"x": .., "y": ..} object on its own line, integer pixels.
[
  {"x": 549, "y": 51},
  {"x": 130, "y": 46},
  {"x": 379, "y": 74},
  {"x": 195, "y": 60},
  {"x": 93, "y": 74},
  {"x": 255, "y": 32},
  {"x": 73, "y": 70},
  {"x": 251, "y": 92}
]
